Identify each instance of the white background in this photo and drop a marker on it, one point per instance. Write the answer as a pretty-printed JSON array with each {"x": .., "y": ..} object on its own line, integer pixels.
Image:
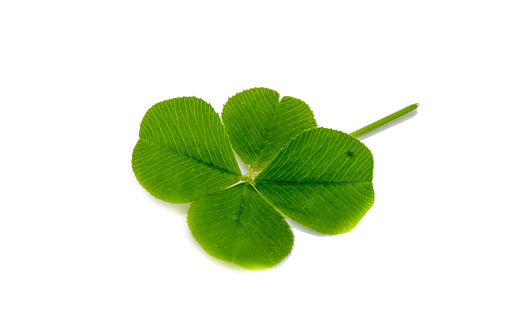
[{"x": 82, "y": 244}]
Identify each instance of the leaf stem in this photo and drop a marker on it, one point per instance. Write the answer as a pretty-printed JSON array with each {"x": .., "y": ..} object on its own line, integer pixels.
[{"x": 384, "y": 120}]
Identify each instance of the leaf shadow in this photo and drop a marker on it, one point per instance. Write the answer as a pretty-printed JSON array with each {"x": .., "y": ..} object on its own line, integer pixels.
[
  {"x": 304, "y": 229},
  {"x": 388, "y": 125}
]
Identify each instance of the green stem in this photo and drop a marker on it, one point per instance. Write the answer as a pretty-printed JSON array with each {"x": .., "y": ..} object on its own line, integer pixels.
[{"x": 384, "y": 120}]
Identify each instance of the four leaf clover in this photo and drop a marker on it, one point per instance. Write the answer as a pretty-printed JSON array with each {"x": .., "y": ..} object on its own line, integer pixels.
[{"x": 318, "y": 177}]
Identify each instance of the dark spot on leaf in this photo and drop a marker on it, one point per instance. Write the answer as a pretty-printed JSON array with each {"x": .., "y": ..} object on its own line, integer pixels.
[{"x": 350, "y": 153}]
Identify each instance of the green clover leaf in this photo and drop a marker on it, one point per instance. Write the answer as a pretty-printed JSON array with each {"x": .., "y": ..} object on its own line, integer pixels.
[
  {"x": 259, "y": 124},
  {"x": 183, "y": 151},
  {"x": 318, "y": 177},
  {"x": 239, "y": 226},
  {"x": 322, "y": 180}
]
